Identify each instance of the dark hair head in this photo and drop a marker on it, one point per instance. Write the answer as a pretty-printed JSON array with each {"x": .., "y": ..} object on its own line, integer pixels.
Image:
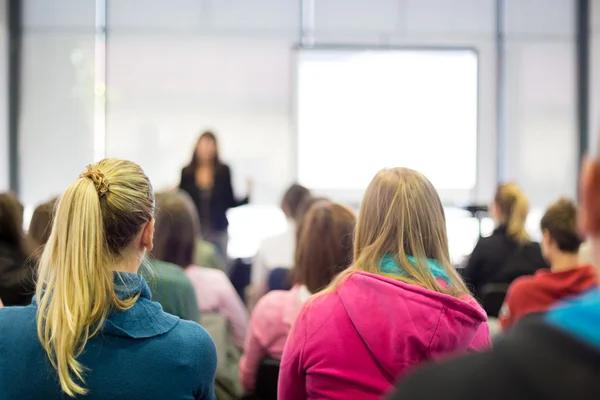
[
  {"x": 292, "y": 199},
  {"x": 11, "y": 221},
  {"x": 176, "y": 230},
  {"x": 560, "y": 221},
  {"x": 195, "y": 162},
  {"x": 302, "y": 212},
  {"x": 41, "y": 223},
  {"x": 325, "y": 245}
]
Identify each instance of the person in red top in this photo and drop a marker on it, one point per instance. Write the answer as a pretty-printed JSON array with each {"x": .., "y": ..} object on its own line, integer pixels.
[{"x": 566, "y": 277}]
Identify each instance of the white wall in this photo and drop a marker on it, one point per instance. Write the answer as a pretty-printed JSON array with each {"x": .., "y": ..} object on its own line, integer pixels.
[
  {"x": 177, "y": 67},
  {"x": 4, "y": 143},
  {"x": 57, "y": 100},
  {"x": 540, "y": 109}
]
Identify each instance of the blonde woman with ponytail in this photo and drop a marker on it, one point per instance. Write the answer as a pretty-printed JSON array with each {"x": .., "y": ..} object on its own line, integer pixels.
[
  {"x": 509, "y": 252},
  {"x": 92, "y": 330},
  {"x": 399, "y": 304}
]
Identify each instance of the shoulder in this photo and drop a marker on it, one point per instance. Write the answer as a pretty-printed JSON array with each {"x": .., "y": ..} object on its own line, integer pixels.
[
  {"x": 321, "y": 310},
  {"x": 11, "y": 315},
  {"x": 193, "y": 333},
  {"x": 222, "y": 169},
  {"x": 521, "y": 286},
  {"x": 206, "y": 273},
  {"x": 16, "y": 323},
  {"x": 194, "y": 341},
  {"x": 271, "y": 304},
  {"x": 169, "y": 272}
]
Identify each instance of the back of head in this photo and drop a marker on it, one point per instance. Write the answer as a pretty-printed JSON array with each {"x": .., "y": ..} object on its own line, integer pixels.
[
  {"x": 401, "y": 215},
  {"x": 177, "y": 229},
  {"x": 514, "y": 207},
  {"x": 325, "y": 245},
  {"x": 302, "y": 211},
  {"x": 11, "y": 220},
  {"x": 293, "y": 198},
  {"x": 41, "y": 223},
  {"x": 560, "y": 221},
  {"x": 97, "y": 218}
]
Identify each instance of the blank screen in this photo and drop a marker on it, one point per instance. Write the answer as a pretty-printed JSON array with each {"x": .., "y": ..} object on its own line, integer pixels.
[{"x": 361, "y": 111}]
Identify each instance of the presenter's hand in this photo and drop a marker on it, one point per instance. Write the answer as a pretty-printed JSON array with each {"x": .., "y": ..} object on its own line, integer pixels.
[{"x": 249, "y": 186}]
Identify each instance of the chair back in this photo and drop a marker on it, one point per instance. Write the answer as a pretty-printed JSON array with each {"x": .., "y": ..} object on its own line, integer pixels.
[
  {"x": 279, "y": 279},
  {"x": 267, "y": 379},
  {"x": 492, "y": 297}
]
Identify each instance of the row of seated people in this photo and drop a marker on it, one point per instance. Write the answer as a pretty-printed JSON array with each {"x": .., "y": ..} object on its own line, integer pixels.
[{"x": 371, "y": 299}]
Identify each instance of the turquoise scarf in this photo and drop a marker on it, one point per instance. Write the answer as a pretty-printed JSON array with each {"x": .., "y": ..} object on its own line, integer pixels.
[{"x": 388, "y": 265}]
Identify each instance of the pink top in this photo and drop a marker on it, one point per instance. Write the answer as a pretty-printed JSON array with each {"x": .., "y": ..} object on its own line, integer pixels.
[
  {"x": 215, "y": 293},
  {"x": 355, "y": 342},
  {"x": 270, "y": 323}
]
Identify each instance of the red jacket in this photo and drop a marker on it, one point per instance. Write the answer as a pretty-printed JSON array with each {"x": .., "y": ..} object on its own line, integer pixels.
[{"x": 537, "y": 293}]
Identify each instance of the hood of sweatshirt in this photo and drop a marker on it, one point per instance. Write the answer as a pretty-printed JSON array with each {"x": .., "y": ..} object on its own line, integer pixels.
[{"x": 403, "y": 324}]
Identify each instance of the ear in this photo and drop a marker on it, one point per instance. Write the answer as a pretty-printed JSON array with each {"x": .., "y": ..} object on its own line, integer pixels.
[
  {"x": 547, "y": 239},
  {"x": 148, "y": 235},
  {"x": 589, "y": 194}
]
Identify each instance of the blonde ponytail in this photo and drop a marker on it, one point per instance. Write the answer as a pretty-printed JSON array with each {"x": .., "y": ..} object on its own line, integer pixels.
[
  {"x": 513, "y": 204},
  {"x": 75, "y": 291}
]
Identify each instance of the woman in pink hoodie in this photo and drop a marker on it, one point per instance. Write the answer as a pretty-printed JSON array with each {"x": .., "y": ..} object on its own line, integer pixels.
[
  {"x": 324, "y": 249},
  {"x": 400, "y": 304}
]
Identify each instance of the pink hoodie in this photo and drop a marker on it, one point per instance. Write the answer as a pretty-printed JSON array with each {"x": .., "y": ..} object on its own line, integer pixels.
[
  {"x": 355, "y": 342},
  {"x": 270, "y": 323}
]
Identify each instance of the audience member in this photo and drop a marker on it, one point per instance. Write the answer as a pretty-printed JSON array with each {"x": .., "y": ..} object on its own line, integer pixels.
[
  {"x": 98, "y": 334},
  {"x": 17, "y": 277},
  {"x": 509, "y": 252},
  {"x": 324, "y": 250},
  {"x": 208, "y": 182},
  {"x": 176, "y": 232},
  {"x": 400, "y": 304},
  {"x": 550, "y": 356},
  {"x": 171, "y": 287},
  {"x": 278, "y": 251},
  {"x": 41, "y": 226},
  {"x": 566, "y": 277},
  {"x": 208, "y": 255}
]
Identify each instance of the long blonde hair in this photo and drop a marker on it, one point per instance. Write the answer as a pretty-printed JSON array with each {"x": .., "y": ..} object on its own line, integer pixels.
[
  {"x": 514, "y": 206},
  {"x": 401, "y": 215},
  {"x": 97, "y": 217}
]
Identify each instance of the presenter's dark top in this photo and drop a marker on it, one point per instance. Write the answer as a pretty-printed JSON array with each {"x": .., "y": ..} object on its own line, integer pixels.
[{"x": 212, "y": 204}]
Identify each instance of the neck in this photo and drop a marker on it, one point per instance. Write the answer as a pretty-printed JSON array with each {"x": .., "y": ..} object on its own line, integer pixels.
[
  {"x": 129, "y": 264},
  {"x": 564, "y": 262},
  {"x": 205, "y": 163}
]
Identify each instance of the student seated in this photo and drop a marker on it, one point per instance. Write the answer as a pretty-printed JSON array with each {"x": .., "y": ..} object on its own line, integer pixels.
[
  {"x": 566, "y": 277},
  {"x": 278, "y": 251},
  {"x": 17, "y": 275},
  {"x": 401, "y": 302},
  {"x": 509, "y": 253},
  {"x": 324, "y": 249},
  {"x": 177, "y": 227},
  {"x": 552, "y": 356},
  {"x": 92, "y": 330},
  {"x": 40, "y": 226}
]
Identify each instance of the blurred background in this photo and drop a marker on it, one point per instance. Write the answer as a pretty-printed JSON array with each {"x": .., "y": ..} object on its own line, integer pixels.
[{"x": 313, "y": 91}]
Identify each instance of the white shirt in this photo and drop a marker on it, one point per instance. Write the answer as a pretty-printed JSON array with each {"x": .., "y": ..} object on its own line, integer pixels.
[{"x": 274, "y": 252}]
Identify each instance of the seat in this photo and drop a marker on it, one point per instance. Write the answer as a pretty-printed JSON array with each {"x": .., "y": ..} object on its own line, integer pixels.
[
  {"x": 266, "y": 381},
  {"x": 279, "y": 279},
  {"x": 492, "y": 297}
]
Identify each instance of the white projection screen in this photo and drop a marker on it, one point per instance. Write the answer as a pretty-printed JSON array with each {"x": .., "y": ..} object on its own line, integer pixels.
[{"x": 359, "y": 111}]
